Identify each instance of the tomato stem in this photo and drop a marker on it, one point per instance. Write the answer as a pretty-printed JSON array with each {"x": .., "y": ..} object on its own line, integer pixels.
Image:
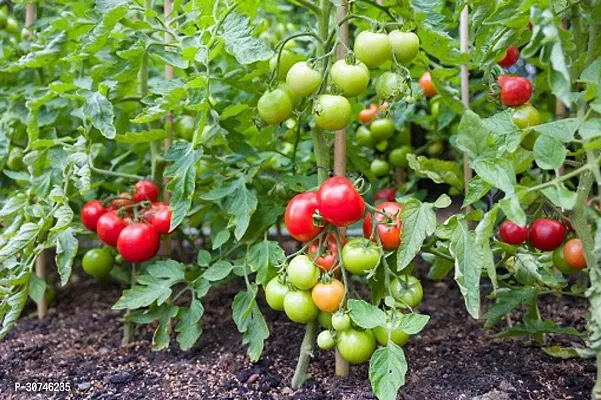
[{"x": 128, "y": 327}]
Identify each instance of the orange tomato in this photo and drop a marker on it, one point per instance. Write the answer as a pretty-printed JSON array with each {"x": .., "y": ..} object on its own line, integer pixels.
[
  {"x": 425, "y": 82},
  {"x": 123, "y": 200},
  {"x": 367, "y": 114},
  {"x": 573, "y": 254},
  {"x": 328, "y": 296}
]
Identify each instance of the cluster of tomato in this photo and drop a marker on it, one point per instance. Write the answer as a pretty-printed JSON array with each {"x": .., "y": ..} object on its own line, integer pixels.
[
  {"x": 547, "y": 234},
  {"x": 309, "y": 287},
  {"x": 132, "y": 223},
  {"x": 350, "y": 76}
]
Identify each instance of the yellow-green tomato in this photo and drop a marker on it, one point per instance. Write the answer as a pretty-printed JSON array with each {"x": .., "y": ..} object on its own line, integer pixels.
[
  {"x": 525, "y": 116},
  {"x": 341, "y": 321},
  {"x": 351, "y": 79},
  {"x": 405, "y": 45},
  {"x": 325, "y": 319},
  {"x": 363, "y": 137},
  {"x": 360, "y": 255},
  {"x": 287, "y": 60},
  {"x": 303, "y": 80},
  {"x": 325, "y": 340},
  {"x": 379, "y": 167},
  {"x": 382, "y": 146},
  {"x": 275, "y": 292},
  {"x": 332, "y": 112},
  {"x": 372, "y": 48},
  {"x": 390, "y": 86},
  {"x": 299, "y": 306},
  {"x": 302, "y": 272},
  {"x": 12, "y": 26},
  {"x": 382, "y": 129},
  {"x": 293, "y": 97},
  {"x": 398, "y": 157},
  {"x": 398, "y": 336},
  {"x": 407, "y": 290},
  {"x": 356, "y": 346},
  {"x": 275, "y": 107}
]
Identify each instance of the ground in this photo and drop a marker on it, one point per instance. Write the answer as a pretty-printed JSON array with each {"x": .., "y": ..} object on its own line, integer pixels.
[{"x": 453, "y": 358}]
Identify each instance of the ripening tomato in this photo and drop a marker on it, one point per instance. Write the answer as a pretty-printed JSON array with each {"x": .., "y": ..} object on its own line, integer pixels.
[
  {"x": 325, "y": 340},
  {"x": 372, "y": 48},
  {"x": 146, "y": 190},
  {"x": 159, "y": 216},
  {"x": 425, "y": 82},
  {"x": 275, "y": 292},
  {"x": 138, "y": 243},
  {"x": 515, "y": 90},
  {"x": 512, "y": 56},
  {"x": 275, "y": 106},
  {"x": 364, "y": 137},
  {"x": 512, "y": 233},
  {"x": 525, "y": 116},
  {"x": 368, "y": 114},
  {"x": 91, "y": 212},
  {"x": 389, "y": 227},
  {"x": 405, "y": 45},
  {"x": 329, "y": 254},
  {"x": 341, "y": 321},
  {"x": 386, "y": 194},
  {"x": 574, "y": 254},
  {"x": 398, "y": 157},
  {"x": 302, "y": 79},
  {"x": 360, "y": 256},
  {"x": 398, "y": 336},
  {"x": 339, "y": 202},
  {"x": 390, "y": 86},
  {"x": 299, "y": 217},
  {"x": 109, "y": 227},
  {"x": 356, "y": 346},
  {"x": 332, "y": 112},
  {"x": 299, "y": 306},
  {"x": 561, "y": 264},
  {"x": 382, "y": 129},
  {"x": 328, "y": 296},
  {"x": 302, "y": 272},
  {"x": 98, "y": 263},
  {"x": 546, "y": 234},
  {"x": 351, "y": 79},
  {"x": 123, "y": 200},
  {"x": 407, "y": 290}
]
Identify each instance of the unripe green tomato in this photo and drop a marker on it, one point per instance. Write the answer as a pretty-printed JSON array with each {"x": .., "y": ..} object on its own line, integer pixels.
[
  {"x": 275, "y": 292},
  {"x": 363, "y": 137},
  {"x": 398, "y": 157},
  {"x": 435, "y": 106},
  {"x": 119, "y": 259},
  {"x": 294, "y": 98},
  {"x": 325, "y": 340},
  {"x": 332, "y": 112},
  {"x": 379, "y": 167},
  {"x": 390, "y": 86},
  {"x": 184, "y": 127},
  {"x": 15, "y": 159},
  {"x": 525, "y": 116},
  {"x": 435, "y": 148},
  {"x": 398, "y": 337},
  {"x": 382, "y": 129},
  {"x": 302, "y": 272},
  {"x": 372, "y": 48},
  {"x": 360, "y": 255},
  {"x": 299, "y": 306},
  {"x": 3, "y": 19},
  {"x": 325, "y": 319},
  {"x": 341, "y": 322},
  {"x": 12, "y": 26},
  {"x": 275, "y": 107},
  {"x": 302, "y": 79},
  {"x": 403, "y": 138},
  {"x": 287, "y": 60},
  {"x": 405, "y": 45},
  {"x": 382, "y": 146},
  {"x": 356, "y": 346},
  {"x": 98, "y": 263},
  {"x": 351, "y": 79},
  {"x": 407, "y": 290}
]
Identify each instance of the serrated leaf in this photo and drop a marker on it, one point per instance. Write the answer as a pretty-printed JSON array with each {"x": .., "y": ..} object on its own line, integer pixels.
[
  {"x": 12, "y": 308},
  {"x": 507, "y": 301},
  {"x": 27, "y": 232},
  {"x": 250, "y": 322},
  {"x": 561, "y": 130},
  {"x": 242, "y": 207},
  {"x": 549, "y": 153},
  {"x": 473, "y": 136},
  {"x": 162, "y": 334},
  {"x": 66, "y": 250},
  {"x": 64, "y": 216},
  {"x": 141, "y": 137},
  {"x": 111, "y": 15},
  {"x": 218, "y": 271},
  {"x": 468, "y": 266},
  {"x": 14, "y": 204},
  {"x": 182, "y": 183},
  {"x": 419, "y": 222},
  {"x": 237, "y": 34},
  {"x": 221, "y": 238},
  {"x": 439, "y": 171},
  {"x": 477, "y": 189},
  {"x": 411, "y": 323},
  {"x": 188, "y": 327},
  {"x": 387, "y": 369},
  {"x": 498, "y": 172},
  {"x": 366, "y": 315},
  {"x": 100, "y": 111}
]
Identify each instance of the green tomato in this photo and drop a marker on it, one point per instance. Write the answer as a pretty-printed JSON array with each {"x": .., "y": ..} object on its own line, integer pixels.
[
  {"x": 332, "y": 112},
  {"x": 302, "y": 272},
  {"x": 275, "y": 107},
  {"x": 98, "y": 263},
  {"x": 303, "y": 80},
  {"x": 184, "y": 127},
  {"x": 363, "y": 137},
  {"x": 382, "y": 146},
  {"x": 275, "y": 292},
  {"x": 325, "y": 319},
  {"x": 390, "y": 86},
  {"x": 398, "y": 336},
  {"x": 360, "y": 256},
  {"x": 407, "y": 290},
  {"x": 299, "y": 306},
  {"x": 525, "y": 116},
  {"x": 293, "y": 97},
  {"x": 3, "y": 19},
  {"x": 561, "y": 264},
  {"x": 15, "y": 159},
  {"x": 379, "y": 167},
  {"x": 351, "y": 79},
  {"x": 325, "y": 340},
  {"x": 435, "y": 106},
  {"x": 372, "y": 48},
  {"x": 12, "y": 26},
  {"x": 405, "y": 45},
  {"x": 398, "y": 157},
  {"x": 382, "y": 129},
  {"x": 403, "y": 138},
  {"x": 341, "y": 322},
  {"x": 356, "y": 346},
  {"x": 435, "y": 148},
  {"x": 287, "y": 60}
]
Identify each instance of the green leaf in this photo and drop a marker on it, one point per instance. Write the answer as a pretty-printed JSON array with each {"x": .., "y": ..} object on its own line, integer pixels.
[
  {"x": 538, "y": 328},
  {"x": 498, "y": 172},
  {"x": 237, "y": 35},
  {"x": 561, "y": 196},
  {"x": 203, "y": 258},
  {"x": 419, "y": 222},
  {"x": 141, "y": 137},
  {"x": 562, "y": 130},
  {"x": 37, "y": 288},
  {"x": 64, "y": 217},
  {"x": 411, "y": 323},
  {"x": 182, "y": 184},
  {"x": 241, "y": 208},
  {"x": 221, "y": 238},
  {"x": 473, "y": 136},
  {"x": 507, "y": 301},
  {"x": 549, "y": 153},
  {"x": 441, "y": 45},
  {"x": 250, "y": 322},
  {"x": 366, "y": 315},
  {"x": 387, "y": 369},
  {"x": 590, "y": 129},
  {"x": 565, "y": 353},
  {"x": 162, "y": 334},
  {"x": 218, "y": 271},
  {"x": 100, "y": 111},
  {"x": 484, "y": 231},
  {"x": 188, "y": 328},
  {"x": 476, "y": 190},
  {"x": 513, "y": 210},
  {"x": 66, "y": 250},
  {"x": 592, "y": 73},
  {"x": 27, "y": 232},
  {"x": 12, "y": 308},
  {"x": 14, "y": 204},
  {"x": 437, "y": 170},
  {"x": 468, "y": 266},
  {"x": 111, "y": 15},
  {"x": 440, "y": 268}
]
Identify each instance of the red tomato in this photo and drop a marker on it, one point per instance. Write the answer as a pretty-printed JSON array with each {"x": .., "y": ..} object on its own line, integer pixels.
[
  {"x": 574, "y": 254},
  {"x": 546, "y": 234},
  {"x": 299, "y": 217},
  {"x": 389, "y": 227},
  {"x": 123, "y": 201},
  {"x": 425, "y": 82},
  {"x": 91, "y": 212},
  {"x": 386, "y": 194},
  {"x": 513, "y": 233},
  {"x": 329, "y": 254},
  {"x": 159, "y": 216},
  {"x": 512, "y": 56},
  {"x": 146, "y": 190},
  {"x": 515, "y": 90},
  {"x": 138, "y": 243},
  {"x": 109, "y": 227},
  {"x": 339, "y": 202}
]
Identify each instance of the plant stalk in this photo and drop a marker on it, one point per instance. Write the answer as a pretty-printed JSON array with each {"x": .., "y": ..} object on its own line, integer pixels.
[{"x": 128, "y": 327}]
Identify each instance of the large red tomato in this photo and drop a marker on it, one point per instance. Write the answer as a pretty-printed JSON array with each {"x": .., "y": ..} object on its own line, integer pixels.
[
  {"x": 299, "y": 217},
  {"x": 146, "y": 190},
  {"x": 512, "y": 55},
  {"x": 512, "y": 233},
  {"x": 329, "y": 254},
  {"x": 515, "y": 90},
  {"x": 109, "y": 227},
  {"x": 546, "y": 234},
  {"x": 138, "y": 242},
  {"x": 91, "y": 212},
  {"x": 339, "y": 202},
  {"x": 389, "y": 226},
  {"x": 159, "y": 216}
]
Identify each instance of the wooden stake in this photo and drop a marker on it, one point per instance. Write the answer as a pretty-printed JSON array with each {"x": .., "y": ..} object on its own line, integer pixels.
[
  {"x": 465, "y": 90},
  {"x": 167, "y": 11},
  {"x": 560, "y": 108}
]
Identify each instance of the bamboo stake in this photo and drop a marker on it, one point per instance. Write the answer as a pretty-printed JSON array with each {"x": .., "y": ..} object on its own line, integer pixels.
[
  {"x": 560, "y": 108},
  {"x": 167, "y": 10},
  {"x": 342, "y": 367},
  {"x": 465, "y": 90}
]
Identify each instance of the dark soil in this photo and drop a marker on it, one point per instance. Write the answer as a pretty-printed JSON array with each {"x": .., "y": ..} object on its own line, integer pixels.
[{"x": 453, "y": 358}]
